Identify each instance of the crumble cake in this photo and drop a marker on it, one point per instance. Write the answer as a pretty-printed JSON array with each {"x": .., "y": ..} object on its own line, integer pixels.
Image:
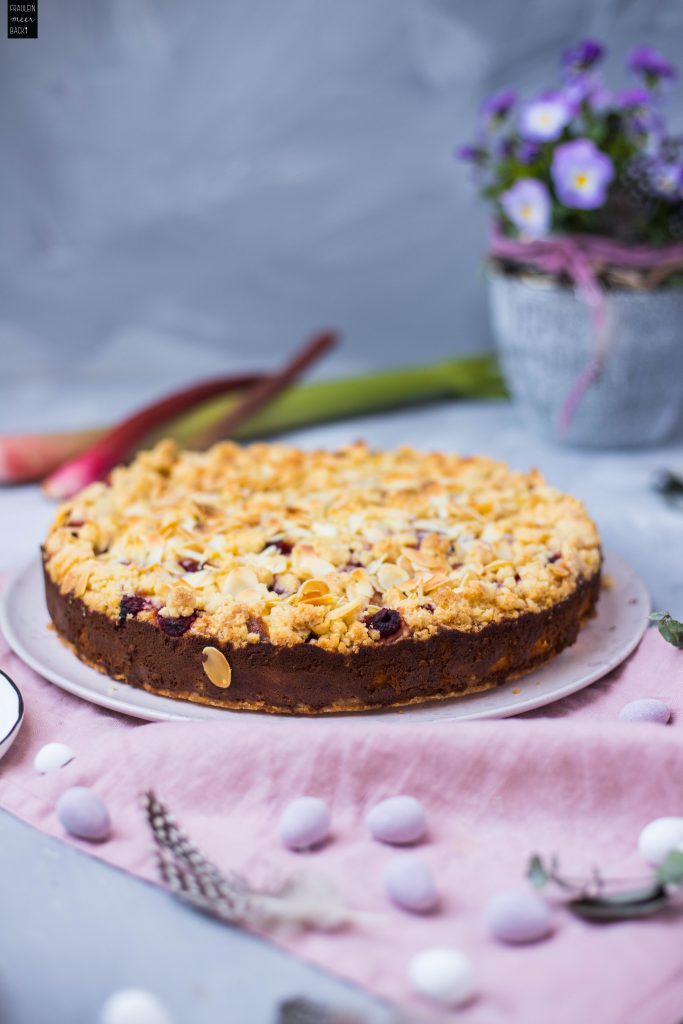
[{"x": 269, "y": 578}]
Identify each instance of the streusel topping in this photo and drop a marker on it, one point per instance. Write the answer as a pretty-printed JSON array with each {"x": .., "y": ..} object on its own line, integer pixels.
[{"x": 340, "y": 549}]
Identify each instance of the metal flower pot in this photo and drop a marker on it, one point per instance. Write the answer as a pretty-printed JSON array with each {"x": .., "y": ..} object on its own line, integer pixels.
[{"x": 545, "y": 340}]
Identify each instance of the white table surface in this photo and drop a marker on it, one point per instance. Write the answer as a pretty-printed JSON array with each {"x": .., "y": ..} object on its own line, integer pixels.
[{"x": 92, "y": 929}]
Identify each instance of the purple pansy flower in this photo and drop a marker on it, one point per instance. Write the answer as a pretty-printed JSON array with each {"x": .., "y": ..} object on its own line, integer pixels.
[
  {"x": 588, "y": 88},
  {"x": 583, "y": 56},
  {"x": 527, "y": 151},
  {"x": 666, "y": 179},
  {"x": 495, "y": 108},
  {"x": 471, "y": 154},
  {"x": 650, "y": 65},
  {"x": 500, "y": 104},
  {"x": 581, "y": 174},
  {"x": 630, "y": 99},
  {"x": 527, "y": 205},
  {"x": 543, "y": 119}
]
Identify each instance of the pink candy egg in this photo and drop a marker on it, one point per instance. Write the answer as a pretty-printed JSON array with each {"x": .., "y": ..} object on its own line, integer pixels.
[
  {"x": 647, "y": 709},
  {"x": 409, "y": 883},
  {"x": 305, "y": 823},
  {"x": 82, "y": 813},
  {"x": 398, "y": 820},
  {"x": 518, "y": 915}
]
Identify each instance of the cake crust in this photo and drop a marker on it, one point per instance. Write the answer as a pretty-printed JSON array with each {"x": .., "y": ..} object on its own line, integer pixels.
[
  {"x": 306, "y": 680},
  {"x": 269, "y": 578}
]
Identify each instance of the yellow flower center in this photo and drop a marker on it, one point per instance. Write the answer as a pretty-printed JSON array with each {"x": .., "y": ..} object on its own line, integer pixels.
[
  {"x": 581, "y": 179},
  {"x": 527, "y": 212}
]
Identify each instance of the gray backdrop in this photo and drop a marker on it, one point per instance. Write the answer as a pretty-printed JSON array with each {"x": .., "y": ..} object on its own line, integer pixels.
[{"x": 188, "y": 185}]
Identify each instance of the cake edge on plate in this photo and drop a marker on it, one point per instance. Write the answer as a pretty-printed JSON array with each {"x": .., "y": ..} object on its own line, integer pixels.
[{"x": 304, "y": 679}]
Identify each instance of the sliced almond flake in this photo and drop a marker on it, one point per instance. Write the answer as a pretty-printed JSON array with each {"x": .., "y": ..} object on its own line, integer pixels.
[
  {"x": 434, "y": 582},
  {"x": 325, "y": 530},
  {"x": 315, "y": 592},
  {"x": 431, "y": 525},
  {"x": 391, "y": 575},
  {"x": 345, "y": 610},
  {"x": 241, "y": 578},
  {"x": 216, "y": 667},
  {"x": 312, "y": 565}
]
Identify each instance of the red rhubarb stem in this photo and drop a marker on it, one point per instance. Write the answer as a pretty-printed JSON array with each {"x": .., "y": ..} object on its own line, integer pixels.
[
  {"x": 119, "y": 442},
  {"x": 27, "y": 457},
  {"x": 265, "y": 390}
]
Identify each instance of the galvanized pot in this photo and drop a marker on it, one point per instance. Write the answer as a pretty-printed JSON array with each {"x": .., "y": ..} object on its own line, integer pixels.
[{"x": 545, "y": 340}]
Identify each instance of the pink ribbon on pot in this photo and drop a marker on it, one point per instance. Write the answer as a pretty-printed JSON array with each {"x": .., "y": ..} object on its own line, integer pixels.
[{"x": 581, "y": 258}]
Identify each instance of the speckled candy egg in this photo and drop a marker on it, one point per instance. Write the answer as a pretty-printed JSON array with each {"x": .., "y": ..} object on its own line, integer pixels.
[
  {"x": 646, "y": 710},
  {"x": 51, "y": 757},
  {"x": 443, "y": 975},
  {"x": 409, "y": 883},
  {"x": 82, "y": 814},
  {"x": 398, "y": 820},
  {"x": 134, "y": 1006},
  {"x": 659, "y": 838},
  {"x": 305, "y": 823},
  {"x": 518, "y": 915}
]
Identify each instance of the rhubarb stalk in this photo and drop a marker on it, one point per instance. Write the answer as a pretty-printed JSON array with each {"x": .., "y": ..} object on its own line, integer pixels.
[
  {"x": 26, "y": 457},
  {"x": 264, "y": 392},
  {"x": 117, "y": 444},
  {"x": 322, "y": 401}
]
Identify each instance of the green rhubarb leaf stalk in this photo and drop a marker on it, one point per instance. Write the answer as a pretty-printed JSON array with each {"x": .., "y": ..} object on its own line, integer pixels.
[{"x": 323, "y": 401}]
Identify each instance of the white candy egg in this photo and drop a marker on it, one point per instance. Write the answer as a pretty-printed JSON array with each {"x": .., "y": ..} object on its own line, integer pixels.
[
  {"x": 659, "y": 838},
  {"x": 398, "y": 820},
  {"x": 305, "y": 823},
  {"x": 518, "y": 915},
  {"x": 134, "y": 1006},
  {"x": 443, "y": 975},
  {"x": 52, "y": 756},
  {"x": 83, "y": 814},
  {"x": 409, "y": 883},
  {"x": 647, "y": 709}
]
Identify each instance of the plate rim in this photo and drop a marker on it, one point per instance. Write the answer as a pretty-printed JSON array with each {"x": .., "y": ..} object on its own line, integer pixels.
[{"x": 167, "y": 709}]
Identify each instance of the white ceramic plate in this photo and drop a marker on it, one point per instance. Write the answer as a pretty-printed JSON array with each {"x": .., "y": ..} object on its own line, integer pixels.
[
  {"x": 602, "y": 645},
  {"x": 11, "y": 712}
]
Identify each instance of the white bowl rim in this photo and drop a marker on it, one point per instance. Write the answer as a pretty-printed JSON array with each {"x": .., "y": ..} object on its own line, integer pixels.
[{"x": 20, "y": 709}]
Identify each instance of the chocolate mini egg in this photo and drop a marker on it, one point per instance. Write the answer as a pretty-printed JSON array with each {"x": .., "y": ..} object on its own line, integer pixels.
[
  {"x": 647, "y": 709},
  {"x": 518, "y": 915},
  {"x": 305, "y": 823},
  {"x": 52, "y": 756},
  {"x": 83, "y": 814},
  {"x": 659, "y": 838},
  {"x": 443, "y": 975},
  {"x": 398, "y": 820},
  {"x": 134, "y": 1006},
  {"x": 409, "y": 883}
]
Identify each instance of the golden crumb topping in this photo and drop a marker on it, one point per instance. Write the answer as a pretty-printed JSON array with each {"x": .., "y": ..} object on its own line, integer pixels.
[{"x": 337, "y": 548}]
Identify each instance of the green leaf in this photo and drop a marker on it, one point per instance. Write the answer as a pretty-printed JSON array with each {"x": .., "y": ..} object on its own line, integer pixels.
[
  {"x": 671, "y": 630},
  {"x": 671, "y": 871},
  {"x": 536, "y": 872}
]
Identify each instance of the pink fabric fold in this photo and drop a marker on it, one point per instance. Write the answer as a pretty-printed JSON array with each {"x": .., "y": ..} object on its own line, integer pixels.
[{"x": 569, "y": 779}]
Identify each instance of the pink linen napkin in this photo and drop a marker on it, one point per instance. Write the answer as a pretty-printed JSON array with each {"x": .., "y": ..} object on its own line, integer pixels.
[{"x": 569, "y": 779}]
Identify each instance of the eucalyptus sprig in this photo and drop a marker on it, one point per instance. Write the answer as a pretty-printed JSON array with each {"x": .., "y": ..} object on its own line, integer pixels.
[
  {"x": 669, "y": 485},
  {"x": 670, "y": 628},
  {"x": 596, "y": 898}
]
